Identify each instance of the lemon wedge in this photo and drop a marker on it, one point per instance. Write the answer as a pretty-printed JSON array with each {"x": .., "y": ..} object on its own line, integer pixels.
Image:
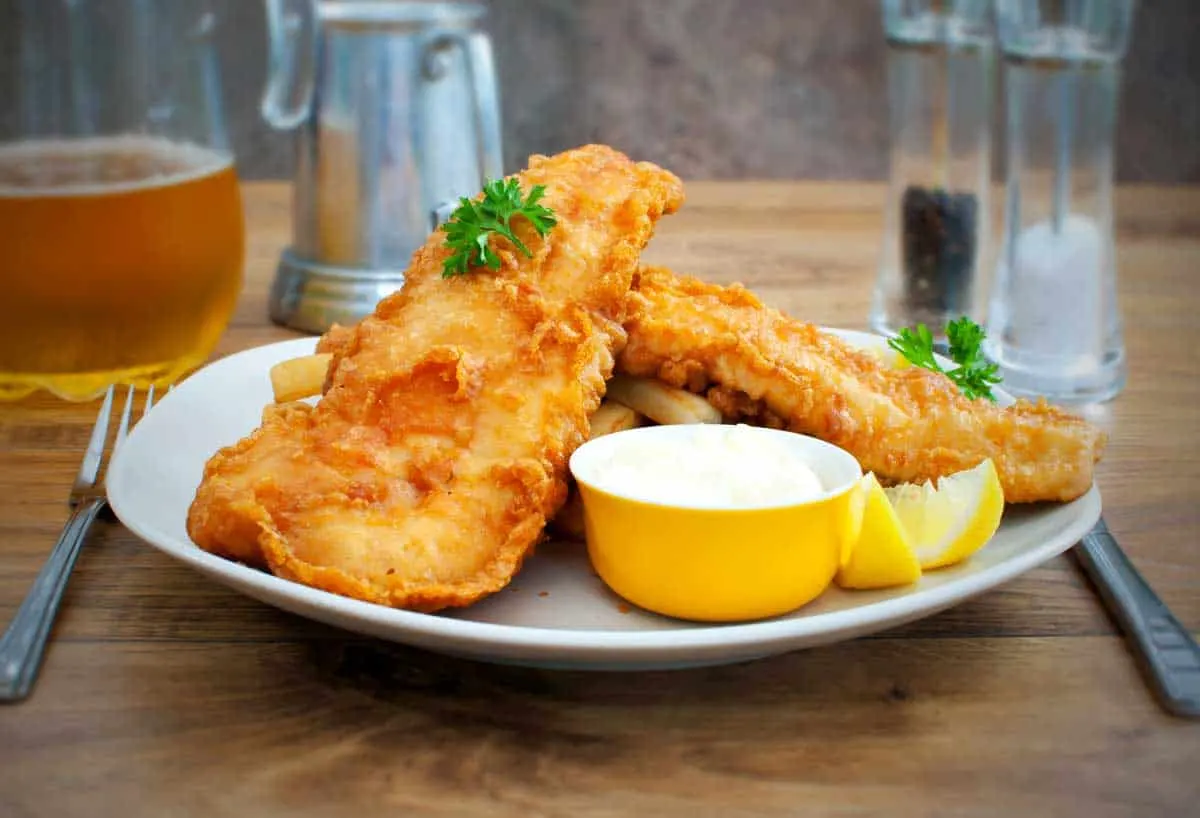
[
  {"x": 947, "y": 524},
  {"x": 882, "y": 557}
]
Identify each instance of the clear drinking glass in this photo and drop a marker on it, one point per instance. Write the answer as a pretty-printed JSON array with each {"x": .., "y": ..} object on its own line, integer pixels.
[
  {"x": 122, "y": 249},
  {"x": 941, "y": 64},
  {"x": 1053, "y": 320}
]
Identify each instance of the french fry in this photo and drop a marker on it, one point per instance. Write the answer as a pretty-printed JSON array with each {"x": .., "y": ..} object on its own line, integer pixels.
[
  {"x": 671, "y": 405},
  {"x": 663, "y": 404},
  {"x": 612, "y": 417},
  {"x": 609, "y": 417},
  {"x": 298, "y": 378}
]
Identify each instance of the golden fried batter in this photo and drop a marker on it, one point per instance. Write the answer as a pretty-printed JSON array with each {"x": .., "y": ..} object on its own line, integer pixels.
[
  {"x": 426, "y": 472},
  {"x": 757, "y": 365}
]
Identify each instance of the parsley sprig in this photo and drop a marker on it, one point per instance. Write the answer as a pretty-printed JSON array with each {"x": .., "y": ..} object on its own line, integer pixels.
[
  {"x": 472, "y": 224},
  {"x": 973, "y": 375}
]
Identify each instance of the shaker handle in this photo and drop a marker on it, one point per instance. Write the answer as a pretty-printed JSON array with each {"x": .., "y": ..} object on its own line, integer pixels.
[
  {"x": 477, "y": 51},
  {"x": 291, "y": 50}
]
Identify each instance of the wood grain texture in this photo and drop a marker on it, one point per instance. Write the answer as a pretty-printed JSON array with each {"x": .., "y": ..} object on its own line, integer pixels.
[
  {"x": 164, "y": 693},
  {"x": 885, "y": 727}
]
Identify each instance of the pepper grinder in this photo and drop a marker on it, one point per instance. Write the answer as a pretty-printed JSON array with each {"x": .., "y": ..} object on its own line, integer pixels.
[
  {"x": 1053, "y": 320},
  {"x": 940, "y": 65}
]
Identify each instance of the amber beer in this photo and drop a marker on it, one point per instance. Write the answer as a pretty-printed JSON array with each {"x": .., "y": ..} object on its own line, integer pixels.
[{"x": 120, "y": 261}]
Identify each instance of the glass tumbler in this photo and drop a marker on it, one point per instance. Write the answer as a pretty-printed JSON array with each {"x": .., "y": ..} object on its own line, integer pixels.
[
  {"x": 1053, "y": 320},
  {"x": 940, "y": 67},
  {"x": 122, "y": 249}
]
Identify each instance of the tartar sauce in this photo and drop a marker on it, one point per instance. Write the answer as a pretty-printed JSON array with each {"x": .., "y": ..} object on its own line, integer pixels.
[{"x": 718, "y": 466}]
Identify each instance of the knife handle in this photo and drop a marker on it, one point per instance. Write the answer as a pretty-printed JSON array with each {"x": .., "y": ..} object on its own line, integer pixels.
[{"x": 1166, "y": 650}]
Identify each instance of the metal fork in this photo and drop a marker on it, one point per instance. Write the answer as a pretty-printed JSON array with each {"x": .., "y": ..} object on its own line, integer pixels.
[{"x": 24, "y": 642}]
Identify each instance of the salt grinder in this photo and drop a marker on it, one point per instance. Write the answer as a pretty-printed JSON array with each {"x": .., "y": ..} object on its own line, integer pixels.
[{"x": 1053, "y": 320}]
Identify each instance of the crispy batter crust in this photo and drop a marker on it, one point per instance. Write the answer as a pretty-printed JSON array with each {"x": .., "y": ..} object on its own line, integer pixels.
[
  {"x": 758, "y": 365},
  {"x": 426, "y": 472}
]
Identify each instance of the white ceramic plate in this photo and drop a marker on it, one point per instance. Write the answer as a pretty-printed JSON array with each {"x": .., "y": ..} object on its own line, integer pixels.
[{"x": 556, "y": 613}]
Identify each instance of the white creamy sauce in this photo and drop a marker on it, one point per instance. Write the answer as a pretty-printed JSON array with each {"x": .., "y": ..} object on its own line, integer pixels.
[{"x": 715, "y": 466}]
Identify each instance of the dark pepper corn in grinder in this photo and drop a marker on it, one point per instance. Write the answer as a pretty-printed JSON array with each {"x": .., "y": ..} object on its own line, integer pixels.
[
  {"x": 938, "y": 249},
  {"x": 941, "y": 68}
]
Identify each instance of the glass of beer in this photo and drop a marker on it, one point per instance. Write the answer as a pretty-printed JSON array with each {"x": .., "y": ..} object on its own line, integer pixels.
[{"x": 121, "y": 228}]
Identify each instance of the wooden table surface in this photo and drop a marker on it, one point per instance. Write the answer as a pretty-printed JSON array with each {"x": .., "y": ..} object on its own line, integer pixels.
[{"x": 166, "y": 694}]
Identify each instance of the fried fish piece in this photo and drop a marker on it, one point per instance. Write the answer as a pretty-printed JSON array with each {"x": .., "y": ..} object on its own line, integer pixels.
[
  {"x": 427, "y": 470},
  {"x": 758, "y": 365}
]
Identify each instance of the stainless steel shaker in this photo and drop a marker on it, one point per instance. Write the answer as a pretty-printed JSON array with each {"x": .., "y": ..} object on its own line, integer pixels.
[{"x": 396, "y": 115}]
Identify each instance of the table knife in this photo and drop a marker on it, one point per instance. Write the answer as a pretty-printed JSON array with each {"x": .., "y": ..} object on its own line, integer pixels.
[{"x": 1165, "y": 649}]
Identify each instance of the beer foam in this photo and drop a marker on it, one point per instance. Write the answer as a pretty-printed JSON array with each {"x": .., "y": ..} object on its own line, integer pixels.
[{"x": 102, "y": 165}]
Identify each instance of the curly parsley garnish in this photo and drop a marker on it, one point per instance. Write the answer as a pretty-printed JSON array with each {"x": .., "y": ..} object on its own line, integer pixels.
[
  {"x": 472, "y": 224},
  {"x": 973, "y": 375}
]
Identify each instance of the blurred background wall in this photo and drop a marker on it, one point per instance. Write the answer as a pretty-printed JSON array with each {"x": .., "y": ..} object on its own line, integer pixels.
[{"x": 783, "y": 89}]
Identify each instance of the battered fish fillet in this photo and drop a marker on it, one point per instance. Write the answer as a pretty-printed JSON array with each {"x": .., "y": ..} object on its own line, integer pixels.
[
  {"x": 757, "y": 365},
  {"x": 426, "y": 472}
]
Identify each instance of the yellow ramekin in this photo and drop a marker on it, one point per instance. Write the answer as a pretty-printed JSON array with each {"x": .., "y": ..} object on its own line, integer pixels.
[{"x": 719, "y": 564}]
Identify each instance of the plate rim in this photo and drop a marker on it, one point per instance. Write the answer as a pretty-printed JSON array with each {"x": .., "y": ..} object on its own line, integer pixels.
[{"x": 601, "y": 644}]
